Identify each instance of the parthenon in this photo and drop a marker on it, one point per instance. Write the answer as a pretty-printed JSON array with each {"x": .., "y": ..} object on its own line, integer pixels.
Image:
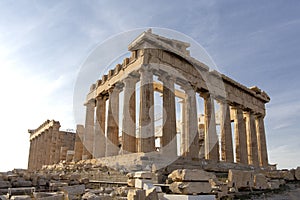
[{"x": 121, "y": 109}]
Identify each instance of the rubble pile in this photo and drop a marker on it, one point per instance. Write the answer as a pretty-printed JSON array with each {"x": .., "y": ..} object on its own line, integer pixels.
[{"x": 89, "y": 180}]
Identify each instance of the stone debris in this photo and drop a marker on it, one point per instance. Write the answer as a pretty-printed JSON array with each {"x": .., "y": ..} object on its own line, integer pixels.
[
  {"x": 297, "y": 173},
  {"x": 240, "y": 179},
  {"x": 288, "y": 175},
  {"x": 151, "y": 194},
  {"x": 70, "y": 181},
  {"x": 190, "y": 187},
  {"x": 260, "y": 182},
  {"x": 191, "y": 181},
  {"x": 191, "y": 175},
  {"x": 136, "y": 194}
]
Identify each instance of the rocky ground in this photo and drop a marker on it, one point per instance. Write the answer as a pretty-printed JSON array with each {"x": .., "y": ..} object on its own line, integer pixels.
[{"x": 89, "y": 180}]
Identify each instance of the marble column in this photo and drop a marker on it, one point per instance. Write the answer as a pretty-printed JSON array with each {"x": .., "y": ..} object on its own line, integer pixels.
[
  {"x": 129, "y": 116},
  {"x": 211, "y": 138},
  {"x": 78, "y": 147},
  {"x": 251, "y": 139},
  {"x": 261, "y": 141},
  {"x": 39, "y": 154},
  {"x": 112, "y": 139},
  {"x": 226, "y": 134},
  {"x": 99, "y": 134},
  {"x": 192, "y": 124},
  {"x": 183, "y": 135},
  {"x": 52, "y": 146},
  {"x": 169, "y": 139},
  {"x": 47, "y": 146},
  {"x": 240, "y": 136},
  {"x": 89, "y": 129},
  {"x": 146, "y": 134}
]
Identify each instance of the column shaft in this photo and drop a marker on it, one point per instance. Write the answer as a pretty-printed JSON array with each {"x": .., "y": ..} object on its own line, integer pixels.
[
  {"x": 78, "y": 147},
  {"x": 183, "y": 136},
  {"x": 192, "y": 125},
  {"x": 129, "y": 116},
  {"x": 89, "y": 129},
  {"x": 251, "y": 139},
  {"x": 100, "y": 139},
  {"x": 240, "y": 137},
  {"x": 261, "y": 140},
  {"x": 112, "y": 139},
  {"x": 169, "y": 140},
  {"x": 211, "y": 137},
  {"x": 226, "y": 134},
  {"x": 146, "y": 135}
]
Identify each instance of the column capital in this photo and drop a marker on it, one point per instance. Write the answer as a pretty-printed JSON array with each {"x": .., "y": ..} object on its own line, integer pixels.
[
  {"x": 91, "y": 102},
  {"x": 205, "y": 94},
  {"x": 130, "y": 80},
  {"x": 145, "y": 68},
  {"x": 166, "y": 77}
]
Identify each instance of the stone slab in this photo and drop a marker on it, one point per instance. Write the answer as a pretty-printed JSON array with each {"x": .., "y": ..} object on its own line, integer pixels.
[
  {"x": 4, "y": 184},
  {"x": 191, "y": 175},
  {"x": 297, "y": 173},
  {"x": 143, "y": 175},
  {"x": 190, "y": 187},
  {"x": 188, "y": 197},
  {"x": 139, "y": 183}
]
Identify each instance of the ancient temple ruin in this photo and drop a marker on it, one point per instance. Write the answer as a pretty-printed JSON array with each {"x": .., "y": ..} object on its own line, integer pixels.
[
  {"x": 49, "y": 145},
  {"x": 121, "y": 118}
]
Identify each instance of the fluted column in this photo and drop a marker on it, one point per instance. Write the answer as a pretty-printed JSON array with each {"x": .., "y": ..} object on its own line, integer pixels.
[
  {"x": 226, "y": 134},
  {"x": 192, "y": 124},
  {"x": 183, "y": 135},
  {"x": 251, "y": 139},
  {"x": 78, "y": 147},
  {"x": 89, "y": 129},
  {"x": 47, "y": 147},
  {"x": 240, "y": 136},
  {"x": 146, "y": 134},
  {"x": 169, "y": 139},
  {"x": 100, "y": 139},
  {"x": 261, "y": 141},
  {"x": 112, "y": 139},
  {"x": 211, "y": 138},
  {"x": 129, "y": 116}
]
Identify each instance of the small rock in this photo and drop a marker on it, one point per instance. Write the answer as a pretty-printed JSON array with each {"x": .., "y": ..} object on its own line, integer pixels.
[{"x": 151, "y": 194}]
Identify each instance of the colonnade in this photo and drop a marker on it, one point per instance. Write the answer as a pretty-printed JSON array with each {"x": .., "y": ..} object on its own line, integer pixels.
[{"x": 101, "y": 133}]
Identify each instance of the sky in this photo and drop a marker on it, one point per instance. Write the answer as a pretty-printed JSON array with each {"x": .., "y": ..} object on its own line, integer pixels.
[{"x": 43, "y": 45}]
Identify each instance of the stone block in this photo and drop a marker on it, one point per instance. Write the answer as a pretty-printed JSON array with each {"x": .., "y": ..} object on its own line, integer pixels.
[
  {"x": 130, "y": 182},
  {"x": 191, "y": 175},
  {"x": 4, "y": 197},
  {"x": 90, "y": 196},
  {"x": 240, "y": 179},
  {"x": 55, "y": 185},
  {"x": 48, "y": 196},
  {"x": 21, "y": 191},
  {"x": 288, "y": 175},
  {"x": 143, "y": 175},
  {"x": 134, "y": 194},
  {"x": 139, "y": 183},
  {"x": 147, "y": 186},
  {"x": 4, "y": 184},
  {"x": 260, "y": 182},
  {"x": 188, "y": 197},
  {"x": 190, "y": 187},
  {"x": 21, "y": 197},
  {"x": 297, "y": 173},
  {"x": 274, "y": 184},
  {"x": 151, "y": 194},
  {"x": 76, "y": 190},
  {"x": 22, "y": 183}
]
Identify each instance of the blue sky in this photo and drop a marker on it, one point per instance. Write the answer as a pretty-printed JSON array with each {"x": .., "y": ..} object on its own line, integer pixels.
[{"x": 44, "y": 43}]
